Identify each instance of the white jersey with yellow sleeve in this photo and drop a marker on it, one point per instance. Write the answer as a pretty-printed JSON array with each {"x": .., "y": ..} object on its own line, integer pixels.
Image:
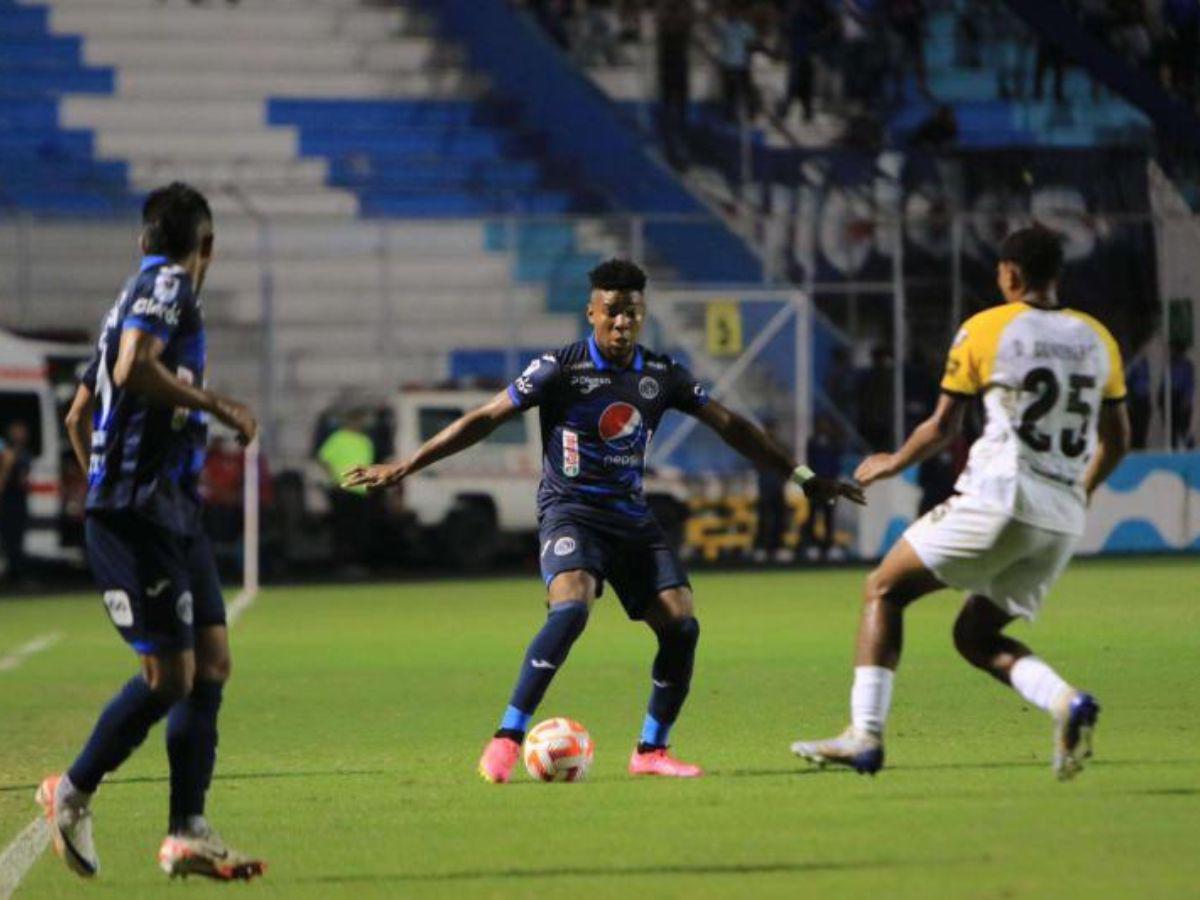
[{"x": 1043, "y": 374}]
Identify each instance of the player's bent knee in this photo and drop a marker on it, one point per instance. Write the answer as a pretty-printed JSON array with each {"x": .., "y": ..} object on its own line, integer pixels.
[
  {"x": 170, "y": 677},
  {"x": 676, "y": 605},
  {"x": 689, "y": 631},
  {"x": 213, "y": 659},
  {"x": 218, "y": 669},
  {"x": 570, "y": 587},
  {"x": 878, "y": 587},
  {"x": 171, "y": 684},
  {"x": 972, "y": 643}
]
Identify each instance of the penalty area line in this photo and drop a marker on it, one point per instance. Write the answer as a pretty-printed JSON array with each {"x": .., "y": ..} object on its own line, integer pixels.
[
  {"x": 242, "y": 602},
  {"x": 19, "y": 856},
  {"x": 42, "y": 642},
  {"x": 28, "y": 846}
]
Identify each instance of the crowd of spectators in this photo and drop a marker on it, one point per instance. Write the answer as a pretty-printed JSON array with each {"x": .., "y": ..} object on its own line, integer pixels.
[
  {"x": 846, "y": 51},
  {"x": 1162, "y": 37},
  {"x": 861, "y": 58}
]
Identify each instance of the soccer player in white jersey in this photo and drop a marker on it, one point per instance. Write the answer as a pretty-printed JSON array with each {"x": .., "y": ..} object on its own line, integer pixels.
[{"x": 1054, "y": 391}]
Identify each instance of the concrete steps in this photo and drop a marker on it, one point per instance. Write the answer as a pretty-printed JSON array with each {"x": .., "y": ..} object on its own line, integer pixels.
[
  {"x": 119, "y": 19},
  {"x": 253, "y": 54}
]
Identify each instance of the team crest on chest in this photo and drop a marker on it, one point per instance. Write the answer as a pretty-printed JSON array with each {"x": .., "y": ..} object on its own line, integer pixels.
[{"x": 648, "y": 388}]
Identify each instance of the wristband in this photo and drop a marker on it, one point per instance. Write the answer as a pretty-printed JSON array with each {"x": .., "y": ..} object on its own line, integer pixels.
[{"x": 802, "y": 474}]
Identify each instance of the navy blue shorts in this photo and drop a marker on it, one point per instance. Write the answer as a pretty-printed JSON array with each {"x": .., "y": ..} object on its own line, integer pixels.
[
  {"x": 157, "y": 586},
  {"x": 637, "y": 559}
]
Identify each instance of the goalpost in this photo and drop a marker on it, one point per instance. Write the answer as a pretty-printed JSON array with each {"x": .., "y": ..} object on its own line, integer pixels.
[{"x": 251, "y": 528}]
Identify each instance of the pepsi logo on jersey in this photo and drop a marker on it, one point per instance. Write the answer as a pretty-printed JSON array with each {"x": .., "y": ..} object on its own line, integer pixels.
[{"x": 621, "y": 426}]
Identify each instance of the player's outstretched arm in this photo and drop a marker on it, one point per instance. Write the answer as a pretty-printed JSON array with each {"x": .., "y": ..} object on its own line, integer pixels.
[
  {"x": 757, "y": 446},
  {"x": 139, "y": 368},
  {"x": 78, "y": 423},
  {"x": 464, "y": 432},
  {"x": 927, "y": 439},
  {"x": 1114, "y": 437}
]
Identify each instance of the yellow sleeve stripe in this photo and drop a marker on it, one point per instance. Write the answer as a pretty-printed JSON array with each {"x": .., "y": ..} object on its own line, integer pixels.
[{"x": 972, "y": 358}]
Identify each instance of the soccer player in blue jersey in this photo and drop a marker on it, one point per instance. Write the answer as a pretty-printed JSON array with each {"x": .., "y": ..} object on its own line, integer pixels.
[
  {"x": 142, "y": 411},
  {"x": 600, "y": 400}
]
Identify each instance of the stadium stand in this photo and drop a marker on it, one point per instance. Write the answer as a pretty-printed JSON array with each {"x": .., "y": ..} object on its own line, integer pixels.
[
  {"x": 985, "y": 120},
  {"x": 314, "y": 118},
  {"x": 45, "y": 164}
]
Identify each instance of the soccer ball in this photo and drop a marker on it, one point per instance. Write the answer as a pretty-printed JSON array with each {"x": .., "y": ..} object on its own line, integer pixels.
[{"x": 558, "y": 750}]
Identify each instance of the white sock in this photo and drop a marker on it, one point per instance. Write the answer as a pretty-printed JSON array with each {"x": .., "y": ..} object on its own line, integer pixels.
[
  {"x": 871, "y": 698},
  {"x": 1039, "y": 684}
]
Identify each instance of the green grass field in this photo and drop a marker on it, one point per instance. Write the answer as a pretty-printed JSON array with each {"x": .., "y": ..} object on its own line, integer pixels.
[{"x": 355, "y": 717}]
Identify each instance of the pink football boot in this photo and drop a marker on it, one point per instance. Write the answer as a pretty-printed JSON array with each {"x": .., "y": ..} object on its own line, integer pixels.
[
  {"x": 660, "y": 762},
  {"x": 499, "y": 757}
]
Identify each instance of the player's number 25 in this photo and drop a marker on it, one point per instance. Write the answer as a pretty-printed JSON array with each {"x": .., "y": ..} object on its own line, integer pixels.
[{"x": 1044, "y": 384}]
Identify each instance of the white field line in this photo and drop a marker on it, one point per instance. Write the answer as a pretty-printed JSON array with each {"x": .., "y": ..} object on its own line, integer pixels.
[
  {"x": 239, "y": 605},
  {"x": 19, "y": 856},
  {"x": 28, "y": 846},
  {"x": 22, "y": 653}
]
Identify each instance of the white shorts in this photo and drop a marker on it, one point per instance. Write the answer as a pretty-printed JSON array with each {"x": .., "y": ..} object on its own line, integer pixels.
[{"x": 987, "y": 552}]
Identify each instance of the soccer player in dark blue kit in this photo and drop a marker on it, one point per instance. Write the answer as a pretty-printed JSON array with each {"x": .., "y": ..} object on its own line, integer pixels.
[
  {"x": 139, "y": 425},
  {"x": 600, "y": 400}
]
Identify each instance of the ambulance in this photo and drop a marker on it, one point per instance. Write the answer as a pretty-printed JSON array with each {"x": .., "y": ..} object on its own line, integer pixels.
[{"x": 37, "y": 382}]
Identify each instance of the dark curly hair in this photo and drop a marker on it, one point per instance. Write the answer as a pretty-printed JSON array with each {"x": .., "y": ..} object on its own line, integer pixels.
[
  {"x": 617, "y": 275},
  {"x": 1038, "y": 252},
  {"x": 171, "y": 220}
]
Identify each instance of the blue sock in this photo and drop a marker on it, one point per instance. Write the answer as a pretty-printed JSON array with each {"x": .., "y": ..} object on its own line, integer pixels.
[
  {"x": 192, "y": 750},
  {"x": 119, "y": 731},
  {"x": 672, "y": 678},
  {"x": 547, "y": 652}
]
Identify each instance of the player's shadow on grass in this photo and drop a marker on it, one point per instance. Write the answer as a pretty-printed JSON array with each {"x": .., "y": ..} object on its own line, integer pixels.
[
  {"x": 1169, "y": 792},
  {"x": 803, "y": 769},
  {"x": 232, "y": 776},
  {"x": 798, "y": 769},
  {"x": 1040, "y": 764},
  {"x": 786, "y": 868}
]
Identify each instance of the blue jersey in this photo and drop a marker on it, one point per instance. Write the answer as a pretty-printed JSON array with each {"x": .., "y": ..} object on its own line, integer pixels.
[
  {"x": 147, "y": 458},
  {"x": 597, "y": 421}
]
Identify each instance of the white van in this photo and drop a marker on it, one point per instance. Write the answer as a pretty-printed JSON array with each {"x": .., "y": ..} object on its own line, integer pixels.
[{"x": 37, "y": 382}]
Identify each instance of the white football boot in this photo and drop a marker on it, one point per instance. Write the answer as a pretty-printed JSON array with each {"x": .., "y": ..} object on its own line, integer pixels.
[
  {"x": 1073, "y": 728},
  {"x": 205, "y": 854},
  {"x": 70, "y": 824},
  {"x": 860, "y": 750}
]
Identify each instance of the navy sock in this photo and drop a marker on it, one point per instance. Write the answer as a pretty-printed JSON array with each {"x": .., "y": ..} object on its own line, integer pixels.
[
  {"x": 672, "y": 678},
  {"x": 192, "y": 750},
  {"x": 547, "y": 652},
  {"x": 119, "y": 731}
]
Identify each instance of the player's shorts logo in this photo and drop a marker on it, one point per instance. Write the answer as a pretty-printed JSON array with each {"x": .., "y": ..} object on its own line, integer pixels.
[
  {"x": 564, "y": 546},
  {"x": 119, "y": 608},
  {"x": 621, "y": 426},
  {"x": 648, "y": 388}
]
